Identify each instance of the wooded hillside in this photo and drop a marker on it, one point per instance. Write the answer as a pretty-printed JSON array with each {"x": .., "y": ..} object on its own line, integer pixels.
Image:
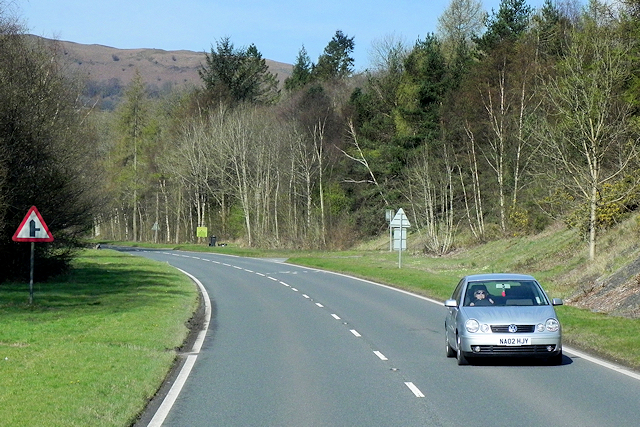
[{"x": 497, "y": 125}]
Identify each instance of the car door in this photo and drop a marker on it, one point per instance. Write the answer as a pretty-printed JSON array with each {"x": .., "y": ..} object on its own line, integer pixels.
[{"x": 452, "y": 312}]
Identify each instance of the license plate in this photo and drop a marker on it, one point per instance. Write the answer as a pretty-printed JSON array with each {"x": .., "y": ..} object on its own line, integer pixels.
[{"x": 515, "y": 341}]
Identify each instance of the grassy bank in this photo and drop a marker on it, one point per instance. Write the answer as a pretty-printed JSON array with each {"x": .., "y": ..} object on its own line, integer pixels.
[{"x": 96, "y": 343}]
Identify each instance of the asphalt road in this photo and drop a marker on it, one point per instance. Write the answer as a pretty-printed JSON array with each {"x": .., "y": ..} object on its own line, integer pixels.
[{"x": 294, "y": 346}]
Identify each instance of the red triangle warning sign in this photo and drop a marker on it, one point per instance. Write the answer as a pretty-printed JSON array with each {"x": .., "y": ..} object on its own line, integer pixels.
[{"x": 33, "y": 228}]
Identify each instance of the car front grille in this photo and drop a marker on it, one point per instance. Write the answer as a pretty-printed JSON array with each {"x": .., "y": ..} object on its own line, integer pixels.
[
  {"x": 498, "y": 349},
  {"x": 505, "y": 328}
]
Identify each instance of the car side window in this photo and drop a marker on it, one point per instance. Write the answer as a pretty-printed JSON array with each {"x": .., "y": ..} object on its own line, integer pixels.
[{"x": 457, "y": 292}]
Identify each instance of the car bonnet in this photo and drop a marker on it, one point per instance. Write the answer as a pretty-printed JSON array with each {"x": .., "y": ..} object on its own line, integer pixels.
[{"x": 497, "y": 315}]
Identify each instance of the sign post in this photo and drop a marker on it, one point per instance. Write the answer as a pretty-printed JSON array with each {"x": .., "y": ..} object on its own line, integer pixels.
[
  {"x": 389, "y": 217},
  {"x": 400, "y": 223},
  {"x": 32, "y": 229}
]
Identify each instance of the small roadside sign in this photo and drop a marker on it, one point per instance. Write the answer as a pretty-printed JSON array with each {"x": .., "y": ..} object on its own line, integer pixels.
[
  {"x": 400, "y": 220},
  {"x": 33, "y": 228},
  {"x": 202, "y": 232},
  {"x": 399, "y": 224}
]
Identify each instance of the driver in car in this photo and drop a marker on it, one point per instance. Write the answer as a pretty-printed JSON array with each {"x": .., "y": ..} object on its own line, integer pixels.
[{"x": 481, "y": 297}]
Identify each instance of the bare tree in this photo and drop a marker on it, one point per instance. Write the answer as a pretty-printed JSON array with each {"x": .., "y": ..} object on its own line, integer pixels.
[
  {"x": 360, "y": 158},
  {"x": 476, "y": 221},
  {"x": 458, "y": 24},
  {"x": 586, "y": 127},
  {"x": 497, "y": 107},
  {"x": 431, "y": 192},
  {"x": 387, "y": 54}
]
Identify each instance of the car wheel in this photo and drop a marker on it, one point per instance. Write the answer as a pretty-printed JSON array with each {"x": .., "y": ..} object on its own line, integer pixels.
[
  {"x": 462, "y": 360},
  {"x": 450, "y": 351}
]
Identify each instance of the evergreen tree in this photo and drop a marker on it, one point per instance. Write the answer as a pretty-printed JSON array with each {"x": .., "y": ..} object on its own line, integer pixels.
[
  {"x": 133, "y": 118},
  {"x": 420, "y": 94},
  {"x": 550, "y": 28},
  {"x": 506, "y": 25},
  {"x": 336, "y": 61},
  {"x": 234, "y": 76},
  {"x": 301, "y": 74}
]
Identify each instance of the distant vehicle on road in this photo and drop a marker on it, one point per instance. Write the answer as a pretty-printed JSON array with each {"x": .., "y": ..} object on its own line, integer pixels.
[{"x": 494, "y": 315}]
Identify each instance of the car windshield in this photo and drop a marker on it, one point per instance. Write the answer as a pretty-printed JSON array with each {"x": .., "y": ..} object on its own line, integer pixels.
[{"x": 504, "y": 293}]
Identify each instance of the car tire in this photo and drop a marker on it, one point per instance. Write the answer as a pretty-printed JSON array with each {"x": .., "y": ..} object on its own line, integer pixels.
[
  {"x": 462, "y": 359},
  {"x": 450, "y": 351}
]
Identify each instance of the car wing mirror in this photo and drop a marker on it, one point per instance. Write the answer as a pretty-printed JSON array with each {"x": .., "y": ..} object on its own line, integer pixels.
[
  {"x": 557, "y": 301},
  {"x": 451, "y": 303}
]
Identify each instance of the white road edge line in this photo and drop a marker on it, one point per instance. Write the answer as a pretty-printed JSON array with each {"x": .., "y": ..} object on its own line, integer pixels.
[
  {"x": 414, "y": 389},
  {"x": 602, "y": 363},
  {"x": 176, "y": 388}
]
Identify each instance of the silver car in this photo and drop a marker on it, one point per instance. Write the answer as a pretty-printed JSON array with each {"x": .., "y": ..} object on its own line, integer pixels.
[{"x": 502, "y": 315}]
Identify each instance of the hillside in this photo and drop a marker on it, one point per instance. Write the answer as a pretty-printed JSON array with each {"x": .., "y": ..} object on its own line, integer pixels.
[{"x": 107, "y": 69}]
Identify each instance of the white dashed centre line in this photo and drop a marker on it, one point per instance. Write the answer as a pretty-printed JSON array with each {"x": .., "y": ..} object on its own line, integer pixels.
[
  {"x": 319, "y": 305},
  {"x": 355, "y": 333},
  {"x": 380, "y": 355},
  {"x": 415, "y": 390},
  {"x": 335, "y": 316}
]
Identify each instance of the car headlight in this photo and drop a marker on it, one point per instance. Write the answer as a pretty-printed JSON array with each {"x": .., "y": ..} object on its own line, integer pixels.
[
  {"x": 472, "y": 325},
  {"x": 552, "y": 325}
]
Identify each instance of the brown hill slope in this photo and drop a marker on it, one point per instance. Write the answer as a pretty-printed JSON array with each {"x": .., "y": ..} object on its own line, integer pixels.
[
  {"x": 156, "y": 66},
  {"x": 105, "y": 66}
]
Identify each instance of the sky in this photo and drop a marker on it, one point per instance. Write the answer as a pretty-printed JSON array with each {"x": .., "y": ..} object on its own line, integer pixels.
[{"x": 278, "y": 29}]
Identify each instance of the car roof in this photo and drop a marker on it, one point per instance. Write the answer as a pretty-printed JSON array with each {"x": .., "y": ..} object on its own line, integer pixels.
[{"x": 498, "y": 276}]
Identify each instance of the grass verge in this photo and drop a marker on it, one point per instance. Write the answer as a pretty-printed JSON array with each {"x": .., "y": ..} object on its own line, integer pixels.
[{"x": 95, "y": 345}]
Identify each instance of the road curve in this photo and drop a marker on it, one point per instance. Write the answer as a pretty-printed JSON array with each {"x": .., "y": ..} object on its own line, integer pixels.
[{"x": 294, "y": 346}]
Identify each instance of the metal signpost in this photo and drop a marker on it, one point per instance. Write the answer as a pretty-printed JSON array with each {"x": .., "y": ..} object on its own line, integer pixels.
[
  {"x": 32, "y": 229},
  {"x": 400, "y": 223},
  {"x": 389, "y": 217}
]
